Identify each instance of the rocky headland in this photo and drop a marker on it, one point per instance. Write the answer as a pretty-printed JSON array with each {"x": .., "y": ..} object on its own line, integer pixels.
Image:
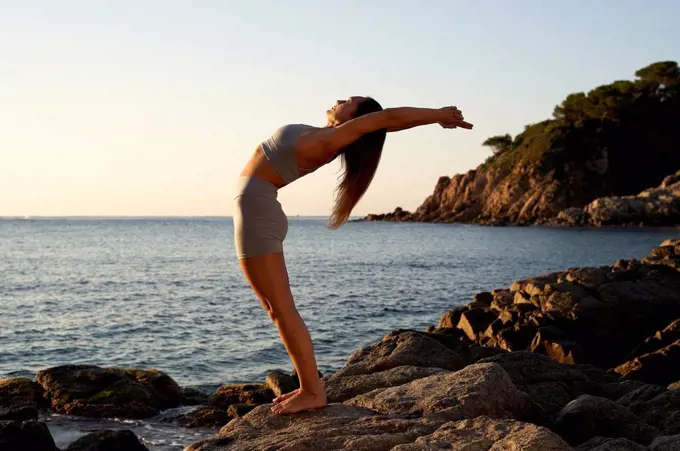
[
  {"x": 582, "y": 359},
  {"x": 608, "y": 157}
]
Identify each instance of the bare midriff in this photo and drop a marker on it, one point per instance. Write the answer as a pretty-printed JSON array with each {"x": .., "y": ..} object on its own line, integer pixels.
[{"x": 259, "y": 167}]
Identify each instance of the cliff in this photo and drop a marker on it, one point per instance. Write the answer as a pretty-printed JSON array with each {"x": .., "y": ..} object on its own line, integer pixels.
[{"x": 617, "y": 140}]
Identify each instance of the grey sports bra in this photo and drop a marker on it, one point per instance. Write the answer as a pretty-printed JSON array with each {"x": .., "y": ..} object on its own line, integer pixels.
[{"x": 279, "y": 149}]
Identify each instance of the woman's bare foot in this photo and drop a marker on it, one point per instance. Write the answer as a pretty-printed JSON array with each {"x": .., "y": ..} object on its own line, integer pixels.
[
  {"x": 299, "y": 402},
  {"x": 285, "y": 396}
]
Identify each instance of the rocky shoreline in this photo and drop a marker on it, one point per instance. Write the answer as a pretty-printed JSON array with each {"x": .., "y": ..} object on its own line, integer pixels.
[
  {"x": 654, "y": 207},
  {"x": 583, "y": 359}
]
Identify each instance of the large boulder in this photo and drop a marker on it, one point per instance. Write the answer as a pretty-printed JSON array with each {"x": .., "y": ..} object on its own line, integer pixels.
[
  {"x": 479, "y": 389},
  {"x": 334, "y": 427},
  {"x": 401, "y": 348},
  {"x": 108, "y": 440},
  {"x": 204, "y": 417},
  {"x": 341, "y": 388},
  {"x": 227, "y": 395},
  {"x": 550, "y": 384},
  {"x": 610, "y": 444},
  {"x": 661, "y": 411},
  {"x": 590, "y": 416},
  {"x": 25, "y": 436},
  {"x": 22, "y": 392},
  {"x": 279, "y": 382},
  {"x": 666, "y": 443},
  {"x": 92, "y": 391},
  {"x": 18, "y": 414},
  {"x": 484, "y": 433}
]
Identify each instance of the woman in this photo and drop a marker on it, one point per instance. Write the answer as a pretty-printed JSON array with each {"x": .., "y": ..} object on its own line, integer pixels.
[{"x": 356, "y": 132}]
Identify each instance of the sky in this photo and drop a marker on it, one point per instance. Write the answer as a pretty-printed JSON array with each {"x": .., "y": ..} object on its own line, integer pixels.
[{"x": 153, "y": 107}]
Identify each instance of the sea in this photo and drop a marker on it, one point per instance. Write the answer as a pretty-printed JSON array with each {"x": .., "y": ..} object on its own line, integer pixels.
[{"x": 168, "y": 293}]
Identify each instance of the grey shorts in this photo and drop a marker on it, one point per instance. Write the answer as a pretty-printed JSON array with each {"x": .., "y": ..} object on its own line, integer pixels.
[{"x": 260, "y": 225}]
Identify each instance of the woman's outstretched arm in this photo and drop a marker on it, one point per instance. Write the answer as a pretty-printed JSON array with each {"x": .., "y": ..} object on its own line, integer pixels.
[
  {"x": 461, "y": 124},
  {"x": 331, "y": 140}
]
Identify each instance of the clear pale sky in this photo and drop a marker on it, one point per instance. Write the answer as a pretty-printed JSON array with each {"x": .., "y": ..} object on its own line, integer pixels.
[{"x": 141, "y": 107}]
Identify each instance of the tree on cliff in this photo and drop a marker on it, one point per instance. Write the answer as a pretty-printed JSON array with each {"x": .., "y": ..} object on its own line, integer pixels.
[
  {"x": 628, "y": 126},
  {"x": 499, "y": 143}
]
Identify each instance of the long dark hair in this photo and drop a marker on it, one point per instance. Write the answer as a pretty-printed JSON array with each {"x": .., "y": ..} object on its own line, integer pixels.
[{"x": 360, "y": 161}]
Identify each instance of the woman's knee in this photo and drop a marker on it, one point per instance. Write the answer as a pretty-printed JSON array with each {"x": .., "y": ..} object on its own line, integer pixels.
[{"x": 282, "y": 311}]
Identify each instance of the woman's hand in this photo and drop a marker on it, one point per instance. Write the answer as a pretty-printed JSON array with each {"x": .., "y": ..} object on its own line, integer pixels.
[{"x": 451, "y": 117}]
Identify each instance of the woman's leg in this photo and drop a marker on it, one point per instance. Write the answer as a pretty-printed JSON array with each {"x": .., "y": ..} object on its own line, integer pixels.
[{"x": 268, "y": 276}]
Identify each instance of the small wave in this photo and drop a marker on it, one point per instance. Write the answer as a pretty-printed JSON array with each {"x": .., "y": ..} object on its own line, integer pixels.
[{"x": 158, "y": 433}]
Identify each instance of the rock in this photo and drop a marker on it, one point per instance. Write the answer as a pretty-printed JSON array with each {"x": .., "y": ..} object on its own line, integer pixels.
[
  {"x": 473, "y": 353},
  {"x": 641, "y": 395},
  {"x": 616, "y": 390},
  {"x": 610, "y": 444},
  {"x": 29, "y": 435},
  {"x": 495, "y": 327},
  {"x": 579, "y": 316},
  {"x": 562, "y": 298},
  {"x": 659, "y": 340},
  {"x": 655, "y": 206},
  {"x": 553, "y": 343},
  {"x": 550, "y": 384},
  {"x": 334, "y": 427},
  {"x": 474, "y": 322},
  {"x": 667, "y": 443},
  {"x": 551, "y": 396},
  {"x": 484, "y": 298},
  {"x": 479, "y": 389},
  {"x": 20, "y": 392},
  {"x": 453, "y": 339},
  {"x": 279, "y": 383},
  {"x": 241, "y": 394},
  {"x": 501, "y": 299},
  {"x": 672, "y": 242},
  {"x": 517, "y": 338},
  {"x": 340, "y": 388},
  {"x": 450, "y": 319},
  {"x": 589, "y": 416},
  {"x": 193, "y": 396},
  {"x": 92, "y": 391},
  {"x": 239, "y": 410},
  {"x": 659, "y": 367},
  {"x": 205, "y": 417},
  {"x": 484, "y": 433},
  {"x": 588, "y": 278},
  {"x": 526, "y": 368},
  {"x": 662, "y": 411},
  {"x": 602, "y": 376},
  {"x": 572, "y": 216},
  {"x": 163, "y": 388},
  {"x": 401, "y": 348},
  {"x": 107, "y": 440},
  {"x": 19, "y": 414}
]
